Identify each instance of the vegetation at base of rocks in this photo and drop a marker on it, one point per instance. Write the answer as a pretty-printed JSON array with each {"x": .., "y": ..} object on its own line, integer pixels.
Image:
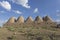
[
  {"x": 30, "y": 36},
  {"x": 32, "y": 33},
  {"x": 33, "y": 30},
  {"x": 49, "y": 28},
  {"x": 11, "y": 28}
]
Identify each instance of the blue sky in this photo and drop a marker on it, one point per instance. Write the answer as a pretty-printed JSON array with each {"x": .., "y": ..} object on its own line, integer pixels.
[{"x": 16, "y": 8}]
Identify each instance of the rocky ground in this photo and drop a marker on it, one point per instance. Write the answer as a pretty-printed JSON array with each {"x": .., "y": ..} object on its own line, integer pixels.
[{"x": 30, "y": 32}]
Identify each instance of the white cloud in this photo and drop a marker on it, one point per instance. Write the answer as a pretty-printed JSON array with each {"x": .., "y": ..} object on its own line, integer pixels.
[
  {"x": 6, "y": 5},
  {"x": 36, "y": 10},
  {"x": 57, "y": 10},
  {"x": 17, "y": 11},
  {"x": 24, "y": 3},
  {"x": 58, "y": 20}
]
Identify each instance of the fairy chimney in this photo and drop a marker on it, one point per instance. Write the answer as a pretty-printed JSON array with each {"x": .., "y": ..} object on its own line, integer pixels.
[
  {"x": 20, "y": 19},
  {"x": 11, "y": 20},
  {"x": 38, "y": 19},
  {"x": 47, "y": 19},
  {"x": 29, "y": 20}
]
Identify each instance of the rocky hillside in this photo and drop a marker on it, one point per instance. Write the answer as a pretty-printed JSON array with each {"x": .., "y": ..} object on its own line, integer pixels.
[
  {"x": 29, "y": 29},
  {"x": 29, "y": 20}
]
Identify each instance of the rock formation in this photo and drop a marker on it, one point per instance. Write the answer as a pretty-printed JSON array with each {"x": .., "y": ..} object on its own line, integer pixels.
[
  {"x": 47, "y": 19},
  {"x": 29, "y": 20},
  {"x": 38, "y": 19},
  {"x": 20, "y": 19},
  {"x": 11, "y": 20}
]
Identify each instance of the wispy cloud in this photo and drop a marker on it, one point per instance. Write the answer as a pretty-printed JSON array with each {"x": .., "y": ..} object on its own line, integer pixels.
[
  {"x": 58, "y": 13},
  {"x": 36, "y": 10},
  {"x": 24, "y": 3},
  {"x": 6, "y": 5},
  {"x": 58, "y": 20},
  {"x": 17, "y": 11},
  {"x": 57, "y": 10}
]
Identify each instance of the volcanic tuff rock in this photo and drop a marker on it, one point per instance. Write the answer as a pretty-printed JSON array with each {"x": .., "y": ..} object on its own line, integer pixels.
[
  {"x": 11, "y": 20},
  {"x": 20, "y": 19},
  {"x": 47, "y": 19},
  {"x": 38, "y": 19},
  {"x": 29, "y": 20}
]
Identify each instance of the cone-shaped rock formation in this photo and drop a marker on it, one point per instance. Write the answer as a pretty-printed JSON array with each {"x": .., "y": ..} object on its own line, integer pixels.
[
  {"x": 29, "y": 20},
  {"x": 47, "y": 19},
  {"x": 11, "y": 20},
  {"x": 38, "y": 19},
  {"x": 20, "y": 19}
]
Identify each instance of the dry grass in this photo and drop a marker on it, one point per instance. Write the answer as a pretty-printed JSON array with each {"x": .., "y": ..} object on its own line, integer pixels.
[{"x": 29, "y": 32}]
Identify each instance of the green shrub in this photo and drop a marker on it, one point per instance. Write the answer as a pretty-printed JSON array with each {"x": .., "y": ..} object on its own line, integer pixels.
[
  {"x": 49, "y": 28},
  {"x": 11, "y": 28}
]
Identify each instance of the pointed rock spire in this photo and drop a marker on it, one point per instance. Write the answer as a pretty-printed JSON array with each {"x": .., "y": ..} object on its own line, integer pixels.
[
  {"x": 29, "y": 20},
  {"x": 11, "y": 20},
  {"x": 38, "y": 19},
  {"x": 47, "y": 19},
  {"x": 20, "y": 19}
]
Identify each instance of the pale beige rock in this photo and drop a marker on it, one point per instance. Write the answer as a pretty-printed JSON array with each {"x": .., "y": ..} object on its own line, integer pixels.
[
  {"x": 20, "y": 19},
  {"x": 38, "y": 19},
  {"x": 47, "y": 19},
  {"x": 29, "y": 20},
  {"x": 11, "y": 20}
]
